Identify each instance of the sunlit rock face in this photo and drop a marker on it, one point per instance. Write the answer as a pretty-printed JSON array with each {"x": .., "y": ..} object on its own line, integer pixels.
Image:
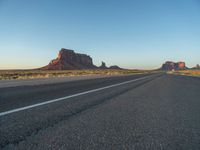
[
  {"x": 169, "y": 65},
  {"x": 69, "y": 60},
  {"x": 180, "y": 66}
]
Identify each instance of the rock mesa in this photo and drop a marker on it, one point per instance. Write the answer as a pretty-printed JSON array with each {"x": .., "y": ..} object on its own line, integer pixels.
[
  {"x": 69, "y": 60},
  {"x": 169, "y": 65}
]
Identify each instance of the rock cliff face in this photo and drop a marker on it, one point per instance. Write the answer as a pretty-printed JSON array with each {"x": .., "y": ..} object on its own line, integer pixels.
[
  {"x": 67, "y": 59},
  {"x": 169, "y": 65}
]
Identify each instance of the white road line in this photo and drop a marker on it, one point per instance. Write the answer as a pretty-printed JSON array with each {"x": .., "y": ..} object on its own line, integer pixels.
[{"x": 70, "y": 96}]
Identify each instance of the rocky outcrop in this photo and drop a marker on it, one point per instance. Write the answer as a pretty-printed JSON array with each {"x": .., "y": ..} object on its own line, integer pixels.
[
  {"x": 103, "y": 65},
  {"x": 114, "y": 67},
  {"x": 197, "y": 67},
  {"x": 169, "y": 65},
  {"x": 67, "y": 59}
]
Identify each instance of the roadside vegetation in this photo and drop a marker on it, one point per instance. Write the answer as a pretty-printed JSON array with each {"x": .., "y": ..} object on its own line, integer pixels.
[
  {"x": 187, "y": 72},
  {"x": 32, "y": 74}
]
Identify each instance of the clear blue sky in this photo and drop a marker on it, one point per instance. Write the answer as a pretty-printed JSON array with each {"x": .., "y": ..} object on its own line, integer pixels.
[{"x": 130, "y": 33}]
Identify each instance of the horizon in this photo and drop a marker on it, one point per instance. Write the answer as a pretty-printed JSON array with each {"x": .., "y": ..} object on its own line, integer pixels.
[
  {"x": 130, "y": 34},
  {"x": 99, "y": 65}
]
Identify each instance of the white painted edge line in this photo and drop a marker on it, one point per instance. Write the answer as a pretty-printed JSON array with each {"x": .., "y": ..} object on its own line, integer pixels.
[{"x": 70, "y": 96}]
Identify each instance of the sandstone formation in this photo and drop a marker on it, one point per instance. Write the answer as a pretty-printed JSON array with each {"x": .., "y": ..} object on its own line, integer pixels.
[
  {"x": 114, "y": 67},
  {"x": 169, "y": 65},
  {"x": 197, "y": 67},
  {"x": 103, "y": 65},
  {"x": 68, "y": 60}
]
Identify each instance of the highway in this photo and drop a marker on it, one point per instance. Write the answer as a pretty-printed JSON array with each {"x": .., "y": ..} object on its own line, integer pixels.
[{"x": 143, "y": 111}]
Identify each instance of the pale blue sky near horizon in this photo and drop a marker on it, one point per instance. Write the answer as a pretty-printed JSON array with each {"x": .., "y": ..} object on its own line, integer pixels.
[{"x": 137, "y": 34}]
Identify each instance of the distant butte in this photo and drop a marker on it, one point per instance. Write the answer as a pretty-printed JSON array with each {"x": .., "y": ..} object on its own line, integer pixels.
[
  {"x": 197, "y": 67},
  {"x": 169, "y": 65},
  {"x": 103, "y": 65},
  {"x": 69, "y": 60}
]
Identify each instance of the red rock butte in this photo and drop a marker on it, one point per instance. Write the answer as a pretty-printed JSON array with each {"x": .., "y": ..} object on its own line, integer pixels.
[
  {"x": 169, "y": 65},
  {"x": 69, "y": 60}
]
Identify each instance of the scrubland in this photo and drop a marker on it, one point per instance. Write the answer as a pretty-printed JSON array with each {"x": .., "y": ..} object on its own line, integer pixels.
[
  {"x": 32, "y": 74},
  {"x": 187, "y": 72}
]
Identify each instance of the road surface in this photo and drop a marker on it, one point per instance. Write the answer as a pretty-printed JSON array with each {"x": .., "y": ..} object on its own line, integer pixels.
[
  {"x": 52, "y": 80},
  {"x": 151, "y": 111}
]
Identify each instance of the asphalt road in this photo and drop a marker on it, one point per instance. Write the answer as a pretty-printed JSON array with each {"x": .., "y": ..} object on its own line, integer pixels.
[
  {"x": 152, "y": 111},
  {"x": 52, "y": 80}
]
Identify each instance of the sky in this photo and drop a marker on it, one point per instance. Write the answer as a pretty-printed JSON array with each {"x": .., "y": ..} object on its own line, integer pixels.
[{"x": 135, "y": 34}]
